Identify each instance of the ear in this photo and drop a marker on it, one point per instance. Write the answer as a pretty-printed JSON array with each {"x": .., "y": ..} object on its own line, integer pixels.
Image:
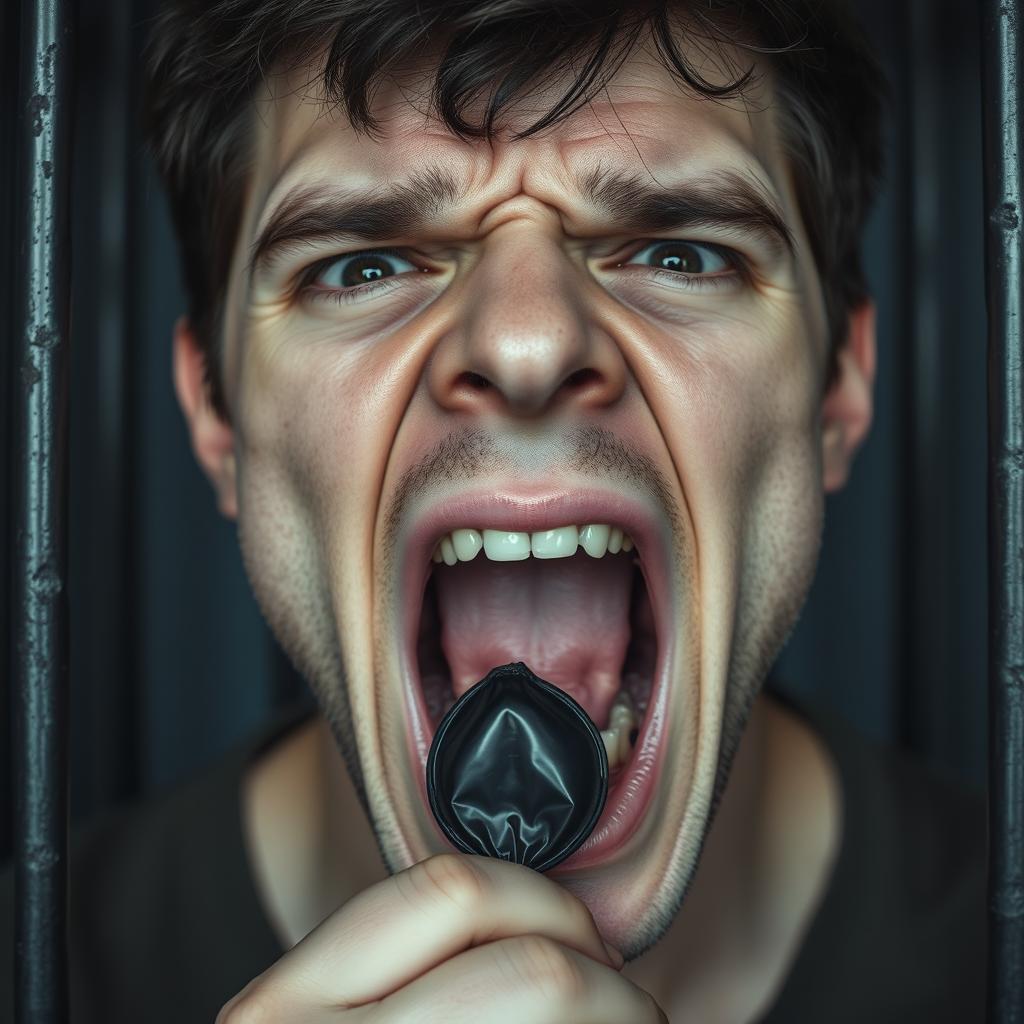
[
  {"x": 213, "y": 440},
  {"x": 848, "y": 405}
]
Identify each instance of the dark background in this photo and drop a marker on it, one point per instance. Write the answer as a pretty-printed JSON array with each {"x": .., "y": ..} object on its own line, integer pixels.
[{"x": 170, "y": 661}]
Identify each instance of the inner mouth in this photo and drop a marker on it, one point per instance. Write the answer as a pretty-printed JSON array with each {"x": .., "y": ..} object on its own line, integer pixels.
[{"x": 584, "y": 624}]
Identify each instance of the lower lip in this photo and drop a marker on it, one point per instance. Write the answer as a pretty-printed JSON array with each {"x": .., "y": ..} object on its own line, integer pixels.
[{"x": 628, "y": 795}]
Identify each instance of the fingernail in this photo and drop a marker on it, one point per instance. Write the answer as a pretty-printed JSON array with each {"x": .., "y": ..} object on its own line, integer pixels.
[{"x": 614, "y": 955}]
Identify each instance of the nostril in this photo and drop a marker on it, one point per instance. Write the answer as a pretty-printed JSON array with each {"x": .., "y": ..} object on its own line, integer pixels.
[
  {"x": 475, "y": 381},
  {"x": 469, "y": 383},
  {"x": 579, "y": 379}
]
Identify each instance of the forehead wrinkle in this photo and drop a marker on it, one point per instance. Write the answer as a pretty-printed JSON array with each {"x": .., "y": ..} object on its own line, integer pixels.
[
  {"x": 641, "y": 90},
  {"x": 304, "y": 123},
  {"x": 589, "y": 189},
  {"x": 547, "y": 167}
]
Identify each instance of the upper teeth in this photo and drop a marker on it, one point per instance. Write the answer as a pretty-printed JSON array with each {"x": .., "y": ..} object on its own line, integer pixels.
[{"x": 596, "y": 539}]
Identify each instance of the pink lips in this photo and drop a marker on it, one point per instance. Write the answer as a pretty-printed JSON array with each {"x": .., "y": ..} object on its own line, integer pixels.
[{"x": 629, "y": 796}]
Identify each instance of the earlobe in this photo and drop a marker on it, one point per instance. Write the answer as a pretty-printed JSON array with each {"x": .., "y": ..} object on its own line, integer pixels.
[
  {"x": 213, "y": 440},
  {"x": 848, "y": 406}
]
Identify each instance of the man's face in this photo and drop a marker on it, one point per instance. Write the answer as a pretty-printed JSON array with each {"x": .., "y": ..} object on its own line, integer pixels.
[{"x": 530, "y": 357}]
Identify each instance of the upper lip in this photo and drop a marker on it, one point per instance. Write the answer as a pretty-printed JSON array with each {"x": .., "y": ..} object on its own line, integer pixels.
[{"x": 508, "y": 511}]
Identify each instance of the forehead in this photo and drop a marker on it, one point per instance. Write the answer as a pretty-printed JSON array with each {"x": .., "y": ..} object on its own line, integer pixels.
[{"x": 644, "y": 123}]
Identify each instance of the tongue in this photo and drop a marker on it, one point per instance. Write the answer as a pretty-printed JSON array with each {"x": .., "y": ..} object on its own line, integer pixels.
[{"x": 566, "y": 618}]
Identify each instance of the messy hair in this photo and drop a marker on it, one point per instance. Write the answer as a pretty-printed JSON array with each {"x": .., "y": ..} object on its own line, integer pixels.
[{"x": 208, "y": 58}]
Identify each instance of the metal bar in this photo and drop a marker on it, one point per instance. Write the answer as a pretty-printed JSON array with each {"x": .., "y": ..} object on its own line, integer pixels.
[
  {"x": 39, "y": 698},
  {"x": 9, "y": 38},
  {"x": 1004, "y": 264}
]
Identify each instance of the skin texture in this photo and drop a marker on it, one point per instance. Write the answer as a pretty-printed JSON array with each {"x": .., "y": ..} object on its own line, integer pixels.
[{"x": 335, "y": 408}]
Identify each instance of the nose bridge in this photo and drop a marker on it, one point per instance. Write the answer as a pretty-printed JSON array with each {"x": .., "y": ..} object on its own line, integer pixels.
[
  {"x": 525, "y": 340},
  {"x": 525, "y": 317}
]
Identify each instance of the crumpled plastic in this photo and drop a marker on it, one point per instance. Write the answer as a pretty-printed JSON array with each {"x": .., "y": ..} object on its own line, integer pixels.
[{"x": 517, "y": 770}]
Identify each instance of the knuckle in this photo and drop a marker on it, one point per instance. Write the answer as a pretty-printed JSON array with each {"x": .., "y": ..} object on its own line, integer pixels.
[
  {"x": 451, "y": 878},
  {"x": 548, "y": 968}
]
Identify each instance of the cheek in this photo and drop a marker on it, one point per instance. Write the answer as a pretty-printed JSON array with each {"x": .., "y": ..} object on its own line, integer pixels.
[
  {"x": 741, "y": 403},
  {"x": 781, "y": 537},
  {"x": 779, "y": 483},
  {"x": 310, "y": 418},
  {"x": 772, "y": 472},
  {"x": 310, "y": 446},
  {"x": 774, "y": 491}
]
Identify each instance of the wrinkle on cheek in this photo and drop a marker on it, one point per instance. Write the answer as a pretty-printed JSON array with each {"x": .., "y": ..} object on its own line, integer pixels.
[
  {"x": 772, "y": 363},
  {"x": 731, "y": 399},
  {"x": 266, "y": 347},
  {"x": 698, "y": 403},
  {"x": 316, "y": 430},
  {"x": 266, "y": 313},
  {"x": 276, "y": 400}
]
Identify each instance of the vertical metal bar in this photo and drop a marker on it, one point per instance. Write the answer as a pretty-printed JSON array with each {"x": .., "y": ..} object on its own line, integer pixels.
[
  {"x": 1004, "y": 263},
  {"x": 9, "y": 39},
  {"x": 40, "y": 557}
]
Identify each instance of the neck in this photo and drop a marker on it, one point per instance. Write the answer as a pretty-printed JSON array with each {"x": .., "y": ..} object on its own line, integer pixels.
[
  {"x": 310, "y": 845},
  {"x": 764, "y": 868}
]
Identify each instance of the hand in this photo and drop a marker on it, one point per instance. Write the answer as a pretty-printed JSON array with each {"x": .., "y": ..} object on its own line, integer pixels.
[{"x": 453, "y": 939}]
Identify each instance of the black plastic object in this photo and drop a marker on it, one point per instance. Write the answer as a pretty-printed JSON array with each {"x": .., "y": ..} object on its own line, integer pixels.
[{"x": 517, "y": 770}]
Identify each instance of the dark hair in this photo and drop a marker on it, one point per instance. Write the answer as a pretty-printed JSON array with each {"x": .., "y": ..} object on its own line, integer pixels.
[{"x": 207, "y": 57}]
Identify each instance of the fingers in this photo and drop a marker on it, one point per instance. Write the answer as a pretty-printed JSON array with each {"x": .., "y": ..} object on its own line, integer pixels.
[
  {"x": 402, "y": 927},
  {"x": 527, "y": 978}
]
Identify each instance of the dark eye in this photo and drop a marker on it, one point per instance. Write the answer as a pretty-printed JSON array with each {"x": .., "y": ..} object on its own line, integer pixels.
[
  {"x": 684, "y": 257},
  {"x": 361, "y": 268}
]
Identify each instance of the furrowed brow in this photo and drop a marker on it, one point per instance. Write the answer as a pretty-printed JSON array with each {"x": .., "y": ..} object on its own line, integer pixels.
[
  {"x": 314, "y": 212},
  {"x": 728, "y": 199}
]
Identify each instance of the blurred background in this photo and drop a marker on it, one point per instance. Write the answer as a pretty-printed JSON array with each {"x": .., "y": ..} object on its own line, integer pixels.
[{"x": 170, "y": 660}]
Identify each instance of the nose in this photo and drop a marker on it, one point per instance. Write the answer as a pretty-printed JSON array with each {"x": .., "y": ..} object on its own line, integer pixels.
[{"x": 526, "y": 344}]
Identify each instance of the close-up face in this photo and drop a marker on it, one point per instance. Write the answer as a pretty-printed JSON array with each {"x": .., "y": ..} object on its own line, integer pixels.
[{"x": 559, "y": 400}]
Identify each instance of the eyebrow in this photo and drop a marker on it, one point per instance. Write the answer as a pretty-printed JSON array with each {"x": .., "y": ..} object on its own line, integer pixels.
[{"x": 726, "y": 198}]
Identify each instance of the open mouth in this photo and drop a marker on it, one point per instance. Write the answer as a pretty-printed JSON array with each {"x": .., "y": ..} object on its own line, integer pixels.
[{"x": 581, "y": 603}]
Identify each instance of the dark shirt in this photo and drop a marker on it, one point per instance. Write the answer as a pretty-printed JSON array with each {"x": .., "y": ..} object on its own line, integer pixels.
[{"x": 166, "y": 924}]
